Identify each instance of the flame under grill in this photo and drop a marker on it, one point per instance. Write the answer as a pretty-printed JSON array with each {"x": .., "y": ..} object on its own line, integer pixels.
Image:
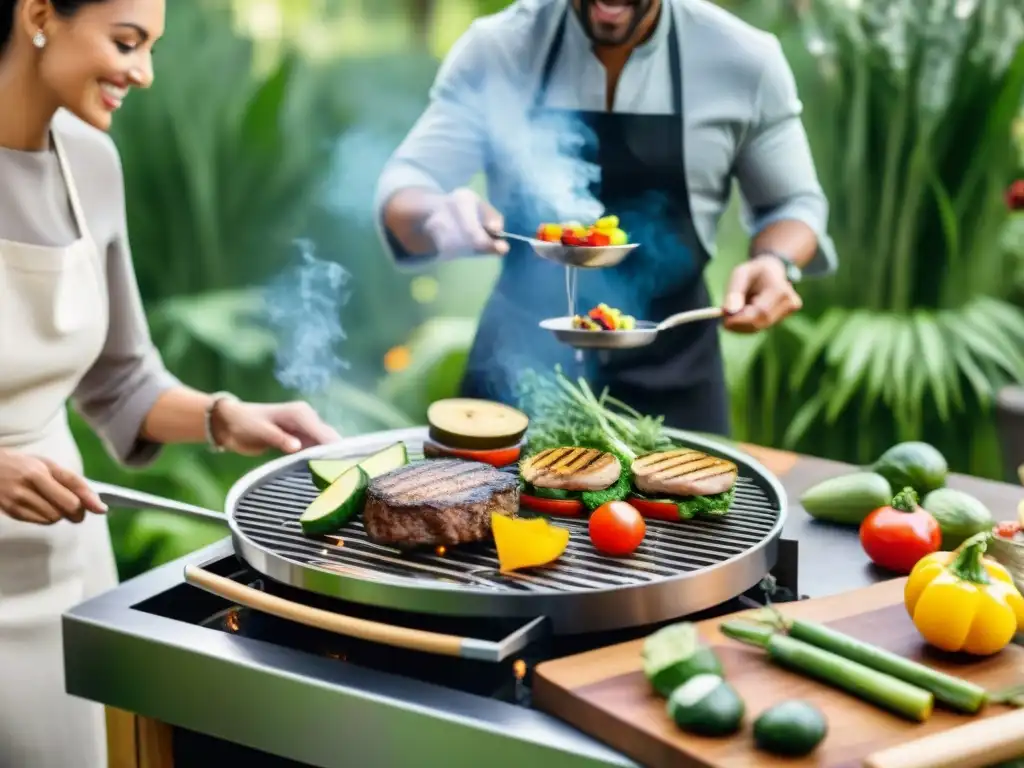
[{"x": 267, "y": 515}]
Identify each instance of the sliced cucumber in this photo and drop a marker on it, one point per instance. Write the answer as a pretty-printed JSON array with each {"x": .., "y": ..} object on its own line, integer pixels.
[
  {"x": 707, "y": 706},
  {"x": 326, "y": 471},
  {"x": 337, "y": 505},
  {"x": 790, "y": 729},
  {"x": 392, "y": 457},
  {"x": 675, "y": 654}
]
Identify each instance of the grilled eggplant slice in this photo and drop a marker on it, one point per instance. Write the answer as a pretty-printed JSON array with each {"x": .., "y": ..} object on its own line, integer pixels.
[
  {"x": 683, "y": 472},
  {"x": 571, "y": 469}
]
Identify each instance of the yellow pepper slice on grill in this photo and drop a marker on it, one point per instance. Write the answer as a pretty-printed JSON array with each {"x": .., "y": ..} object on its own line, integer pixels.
[
  {"x": 964, "y": 601},
  {"x": 526, "y": 543}
]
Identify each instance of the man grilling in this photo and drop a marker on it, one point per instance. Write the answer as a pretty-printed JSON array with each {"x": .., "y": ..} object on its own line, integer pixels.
[{"x": 645, "y": 109}]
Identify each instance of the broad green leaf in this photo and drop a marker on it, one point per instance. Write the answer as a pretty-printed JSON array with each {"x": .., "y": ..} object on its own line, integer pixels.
[
  {"x": 935, "y": 357},
  {"x": 856, "y": 362},
  {"x": 879, "y": 377},
  {"x": 827, "y": 326},
  {"x": 803, "y": 420}
]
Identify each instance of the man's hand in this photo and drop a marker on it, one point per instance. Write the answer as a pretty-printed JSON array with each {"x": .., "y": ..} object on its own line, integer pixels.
[
  {"x": 759, "y": 296},
  {"x": 461, "y": 225}
]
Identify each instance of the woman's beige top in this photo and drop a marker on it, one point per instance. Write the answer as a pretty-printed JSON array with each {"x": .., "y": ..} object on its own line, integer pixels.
[{"x": 119, "y": 389}]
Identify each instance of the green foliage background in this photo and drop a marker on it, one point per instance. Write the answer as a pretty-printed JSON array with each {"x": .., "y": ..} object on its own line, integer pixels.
[{"x": 268, "y": 122}]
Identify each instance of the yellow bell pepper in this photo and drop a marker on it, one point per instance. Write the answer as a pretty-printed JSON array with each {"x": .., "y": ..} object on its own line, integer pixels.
[
  {"x": 963, "y": 601},
  {"x": 526, "y": 543}
]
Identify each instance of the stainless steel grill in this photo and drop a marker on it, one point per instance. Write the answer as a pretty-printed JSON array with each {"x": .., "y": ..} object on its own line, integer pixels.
[{"x": 680, "y": 568}]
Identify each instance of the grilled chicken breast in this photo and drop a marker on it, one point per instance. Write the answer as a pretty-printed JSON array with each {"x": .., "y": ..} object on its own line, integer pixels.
[
  {"x": 683, "y": 472},
  {"x": 438, "y": 501},
  {"x": 571, "y": 469}
]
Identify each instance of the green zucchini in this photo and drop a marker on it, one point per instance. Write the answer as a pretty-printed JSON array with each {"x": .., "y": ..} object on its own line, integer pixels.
[
  {"x": 675, "y": 654},
  {"x": 326, "y": 471},
  {"x": 707, "y": 706},
  {"x": 869, "y": 685},
  {"x": 342, "y": 500},
  {"x": 918, "y": 465},
  {"x": 951, "y": 691},
  {"x": 790, "y": 729},
  {"x": 958, "y": 514},
  {"x": 847, "y": 499},
  {"x": 385, "y": 460}
]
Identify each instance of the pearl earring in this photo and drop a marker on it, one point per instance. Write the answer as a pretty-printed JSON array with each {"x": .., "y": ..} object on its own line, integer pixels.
[{"x": 39, "y": 39}]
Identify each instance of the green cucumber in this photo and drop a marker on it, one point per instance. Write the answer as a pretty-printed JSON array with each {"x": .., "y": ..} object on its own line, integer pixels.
[
  {"x": 915, "y": 464},
  {"x": 847, "y": 499},
  {"x": 386, "y": 460},
  {"x": 342, "y": 500},
  {"x": 958, "y": 514},
  {"x": 707, "y": 706},
  {"x": 865, "y": 683},
  {"x": 326, "y": 471},
  {"x": 674, "y": 654},
  {"x": 790, "y": 729}
]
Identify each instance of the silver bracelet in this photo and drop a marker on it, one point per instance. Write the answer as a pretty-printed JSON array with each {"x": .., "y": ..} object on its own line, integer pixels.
[{"x": 215, "y": 400}]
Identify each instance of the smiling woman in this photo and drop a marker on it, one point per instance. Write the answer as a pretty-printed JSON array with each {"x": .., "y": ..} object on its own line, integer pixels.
[{"x": 72, "y": 328}]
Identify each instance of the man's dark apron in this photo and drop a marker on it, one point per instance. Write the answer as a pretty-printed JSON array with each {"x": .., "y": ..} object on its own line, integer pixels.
[{"x": 643, "y": 180}]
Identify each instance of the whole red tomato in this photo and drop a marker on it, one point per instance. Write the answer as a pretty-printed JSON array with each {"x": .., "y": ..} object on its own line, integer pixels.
[
  {"x": 897, "y": 536},
  {"x": 616, "y": 528}
]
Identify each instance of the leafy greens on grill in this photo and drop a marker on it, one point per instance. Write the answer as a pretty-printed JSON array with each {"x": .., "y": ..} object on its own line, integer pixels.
[{"x": 567, "y": 413}]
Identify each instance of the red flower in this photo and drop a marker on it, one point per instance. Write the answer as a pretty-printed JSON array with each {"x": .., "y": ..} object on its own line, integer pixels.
[{"x": 1015, "y": 196}]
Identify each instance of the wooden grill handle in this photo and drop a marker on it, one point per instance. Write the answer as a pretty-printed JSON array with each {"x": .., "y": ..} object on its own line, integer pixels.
[
  {"x": 363, "y": 629},
  {"x": 975, "y": 745}
]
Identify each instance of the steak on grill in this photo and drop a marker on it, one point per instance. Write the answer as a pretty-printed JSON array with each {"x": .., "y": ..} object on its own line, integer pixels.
[{"x": 438, "y": 501}]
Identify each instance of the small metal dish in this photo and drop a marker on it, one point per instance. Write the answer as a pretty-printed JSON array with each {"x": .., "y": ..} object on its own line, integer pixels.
[{"x": 643, "y": 334}]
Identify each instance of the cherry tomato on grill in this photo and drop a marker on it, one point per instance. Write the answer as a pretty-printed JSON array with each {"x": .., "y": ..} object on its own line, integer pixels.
[
  {"x": 616, "y": 528},
  {"x": 553, "y": 507}
]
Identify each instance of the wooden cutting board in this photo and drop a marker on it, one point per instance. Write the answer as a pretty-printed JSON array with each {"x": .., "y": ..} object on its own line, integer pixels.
[{"x": 605, "y": 694}]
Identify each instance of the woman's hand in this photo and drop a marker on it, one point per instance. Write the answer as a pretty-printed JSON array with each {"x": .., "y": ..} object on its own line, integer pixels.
[
  {"x": 35, "y": 490},
  {"x": 252, "y": 428}
]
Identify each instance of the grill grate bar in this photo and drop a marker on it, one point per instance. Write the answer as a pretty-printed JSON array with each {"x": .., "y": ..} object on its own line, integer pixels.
[{"x": 268, "y": 514}]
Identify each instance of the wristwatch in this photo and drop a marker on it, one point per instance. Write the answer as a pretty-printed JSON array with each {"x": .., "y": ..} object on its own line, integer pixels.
[{"x": 793, "y": 273}]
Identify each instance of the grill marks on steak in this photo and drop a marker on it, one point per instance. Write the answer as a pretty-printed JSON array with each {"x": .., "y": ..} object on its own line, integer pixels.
[{"x": 438, "y": 501}]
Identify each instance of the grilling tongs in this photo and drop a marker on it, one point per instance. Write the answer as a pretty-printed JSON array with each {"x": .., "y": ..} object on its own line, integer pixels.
[{"x": 349, "y": 626}]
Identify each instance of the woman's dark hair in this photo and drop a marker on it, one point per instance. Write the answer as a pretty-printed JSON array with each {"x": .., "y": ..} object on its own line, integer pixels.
[{"x": 63, "y": 7}]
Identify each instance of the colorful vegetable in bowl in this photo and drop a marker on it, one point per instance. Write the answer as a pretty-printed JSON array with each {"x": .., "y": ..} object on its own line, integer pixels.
[
  {"x": 605, "y": 231},
  {"x": 604, "y": 318}
]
